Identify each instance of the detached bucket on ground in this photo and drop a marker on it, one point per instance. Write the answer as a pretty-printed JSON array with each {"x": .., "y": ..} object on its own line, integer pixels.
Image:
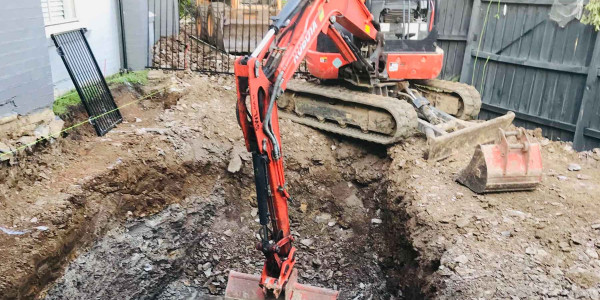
[{"x": 504, "y": 166}]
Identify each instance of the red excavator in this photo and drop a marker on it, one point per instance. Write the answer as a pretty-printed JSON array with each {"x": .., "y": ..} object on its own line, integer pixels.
[{"x": 376, "y": 62}]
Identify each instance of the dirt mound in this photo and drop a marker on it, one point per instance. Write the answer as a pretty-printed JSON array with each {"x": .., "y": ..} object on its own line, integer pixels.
[
  {"x": 536, "y": 244},
  {"x": 51, "y": 200}
]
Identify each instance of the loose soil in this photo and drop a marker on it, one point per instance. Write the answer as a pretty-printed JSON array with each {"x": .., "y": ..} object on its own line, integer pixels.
[{"x": 151, "y": 211}]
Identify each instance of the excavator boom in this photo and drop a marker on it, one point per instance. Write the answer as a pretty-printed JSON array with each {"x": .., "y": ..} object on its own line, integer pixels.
[
  {"x": 261, "y": 78},
  {"x": 365, "y": 55}
]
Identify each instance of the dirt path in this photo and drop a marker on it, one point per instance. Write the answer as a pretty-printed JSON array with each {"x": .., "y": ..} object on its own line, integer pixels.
[{"x": 165, "y": 207}]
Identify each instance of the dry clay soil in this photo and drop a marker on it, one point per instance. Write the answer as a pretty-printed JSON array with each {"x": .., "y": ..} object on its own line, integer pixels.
[{"x": 163, "y": 207}]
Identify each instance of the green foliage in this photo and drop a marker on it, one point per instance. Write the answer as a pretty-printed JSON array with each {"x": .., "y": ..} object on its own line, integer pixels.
[
  {"x": 63, "y": 103},
  {"x": 186, "y": 8},
  {"x": 138, "y": 77},
  {"x": 592, "y": 14}
]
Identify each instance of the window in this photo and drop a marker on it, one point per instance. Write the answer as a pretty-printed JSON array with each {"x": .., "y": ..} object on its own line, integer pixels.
[{"x": 58, "y": 11}]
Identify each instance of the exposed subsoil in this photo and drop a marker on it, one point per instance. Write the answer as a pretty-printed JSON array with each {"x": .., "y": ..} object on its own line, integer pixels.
[
  {"x": 163, "y": 207},
  {"x": 337, "y": 188}
]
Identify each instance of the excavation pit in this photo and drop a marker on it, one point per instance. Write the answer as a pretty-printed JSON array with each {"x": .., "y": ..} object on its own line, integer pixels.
[
  {"x": 164, "y": 206},
  {"x": 346, "y": 236}
]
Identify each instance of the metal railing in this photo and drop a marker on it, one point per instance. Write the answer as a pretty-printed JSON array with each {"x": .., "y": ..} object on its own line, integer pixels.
[
  {"x": 205, "y": 36},
  {"x": 89, "y": 82}
]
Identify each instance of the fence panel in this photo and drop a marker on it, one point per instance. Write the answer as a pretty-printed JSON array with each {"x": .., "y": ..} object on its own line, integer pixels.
[
  {"x": 453, "y": 26},
  {"x": 203, "y": 35},
  {"x": 587, "y": 133},
  {"x": 591, "y": 119},
  {"x": 526, "y": 63},
  {"x": 76, "y": 54}
]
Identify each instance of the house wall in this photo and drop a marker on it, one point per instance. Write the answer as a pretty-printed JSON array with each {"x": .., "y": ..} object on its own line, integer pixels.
[
  {"x": 25, "y": 76},
  {"x": 101, "y": 18}
]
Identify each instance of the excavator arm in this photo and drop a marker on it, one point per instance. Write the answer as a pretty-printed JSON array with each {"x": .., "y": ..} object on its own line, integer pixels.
[{"x": 261, "y": 78}]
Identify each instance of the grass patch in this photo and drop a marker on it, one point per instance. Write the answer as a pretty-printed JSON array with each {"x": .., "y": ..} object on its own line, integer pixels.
[
  {"x": 64, "y": 103},
  {"x": 138, "y": 77}
]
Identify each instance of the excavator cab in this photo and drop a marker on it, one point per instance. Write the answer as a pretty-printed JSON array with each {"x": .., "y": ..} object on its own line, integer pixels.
[
  {"x": 405, "y": 19},
  {"x": 407, "y": 47}
]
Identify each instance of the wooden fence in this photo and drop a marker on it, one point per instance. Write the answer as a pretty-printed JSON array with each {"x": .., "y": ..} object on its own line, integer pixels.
[{"x": 522, "y": 61}]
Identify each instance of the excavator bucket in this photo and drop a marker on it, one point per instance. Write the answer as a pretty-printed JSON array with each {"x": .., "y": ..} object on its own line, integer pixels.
[
  {"x": 504, "y": 166},
  {"x": 241, "y": 286}
]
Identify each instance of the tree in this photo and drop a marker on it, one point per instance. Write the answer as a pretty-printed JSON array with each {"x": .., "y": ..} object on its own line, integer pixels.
[
  {"x": 591, "y": 15},
  {"x": 186, "y": 7}
]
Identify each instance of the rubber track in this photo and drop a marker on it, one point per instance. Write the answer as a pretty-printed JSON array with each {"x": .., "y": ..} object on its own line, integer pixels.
[
  {"x": 403, "y": 113},
  {"x": 470, "y": 97}
]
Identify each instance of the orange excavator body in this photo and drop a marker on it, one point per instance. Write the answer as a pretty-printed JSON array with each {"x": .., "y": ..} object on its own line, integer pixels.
[
  {"x": 339, "y": 39},
  {"x": 261, "y": 78}
]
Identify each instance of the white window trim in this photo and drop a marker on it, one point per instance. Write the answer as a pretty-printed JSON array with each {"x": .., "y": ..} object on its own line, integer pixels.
[
  {"x": 71, "y": 20},
  {"x": 64, "y": 24}
]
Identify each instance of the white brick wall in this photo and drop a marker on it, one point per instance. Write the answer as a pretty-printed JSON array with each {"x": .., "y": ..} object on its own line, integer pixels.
[{"x": 25, "y": 76}]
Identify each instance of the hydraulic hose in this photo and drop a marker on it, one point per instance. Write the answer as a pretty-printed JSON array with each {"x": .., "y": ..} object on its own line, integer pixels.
[{"x": 267, "y": 121}]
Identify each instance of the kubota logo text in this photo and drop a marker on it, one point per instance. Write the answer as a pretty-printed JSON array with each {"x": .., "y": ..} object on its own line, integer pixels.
[{"x": 305, "y": 41}]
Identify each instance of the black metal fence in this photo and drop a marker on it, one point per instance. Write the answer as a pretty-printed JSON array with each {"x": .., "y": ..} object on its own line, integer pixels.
[
  {"x": 203, "y": 35},
  {"x": 83, "y": 69}
]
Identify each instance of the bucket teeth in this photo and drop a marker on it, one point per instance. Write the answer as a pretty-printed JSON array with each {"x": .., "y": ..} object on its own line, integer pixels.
[
  {"x": 504, "y": 166},
  {"x": 242, "y": 286}
]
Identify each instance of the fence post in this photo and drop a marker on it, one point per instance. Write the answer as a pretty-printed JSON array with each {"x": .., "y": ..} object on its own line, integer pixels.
[
  {"x": 589, "y": 93},
  {"x": 465, "y": 73}
]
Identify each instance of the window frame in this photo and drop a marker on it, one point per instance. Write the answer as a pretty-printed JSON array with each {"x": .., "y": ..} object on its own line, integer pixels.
[{"x": 70, "y": 13}]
